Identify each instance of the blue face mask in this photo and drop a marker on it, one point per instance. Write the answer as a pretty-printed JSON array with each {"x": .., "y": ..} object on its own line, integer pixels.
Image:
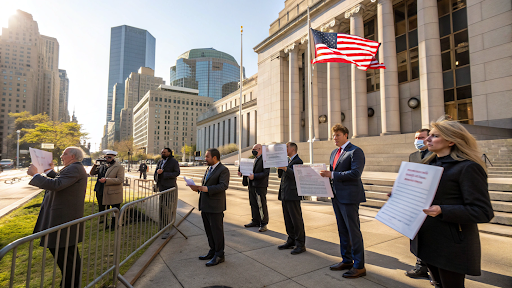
[{"x": 419, "y": 144}]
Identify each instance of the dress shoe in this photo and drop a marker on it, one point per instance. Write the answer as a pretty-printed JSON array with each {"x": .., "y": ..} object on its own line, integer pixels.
[
  {"x": 341, "y": 266},
  {"x": 286, "y": 246},
  {"x": 298, "y": 250},
  {"x": 354, "y": 273},
  {"x": 206, "y": 257},
  {"x": 263, "y": 228},
  {"x": 252, "y": 224},
  {"x": 215, "y": 260},
  {"x": 421, "y": 272}
]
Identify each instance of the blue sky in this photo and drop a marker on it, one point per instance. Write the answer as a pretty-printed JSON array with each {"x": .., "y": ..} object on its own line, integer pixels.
[{"x": 83, "y": 31}]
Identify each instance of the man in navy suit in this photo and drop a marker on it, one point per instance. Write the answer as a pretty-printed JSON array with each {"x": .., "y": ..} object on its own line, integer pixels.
[
  {"x": 346, "y": 167},
  {"x": 292, "y": 212}
]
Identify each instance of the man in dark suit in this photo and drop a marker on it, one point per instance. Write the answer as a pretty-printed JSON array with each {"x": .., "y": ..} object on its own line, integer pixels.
[
  {"x": 291, "y": 203},
  {"x": 346, "y": 167},
  {"x": 63, "y": 202},
  {"x": 143, "y": 168},
  {"x": 258, "y": 184},
  {"x": 167, "y": 169},
  {"x": 420, "y": 270},
  {"x": 212, "y": 204}
]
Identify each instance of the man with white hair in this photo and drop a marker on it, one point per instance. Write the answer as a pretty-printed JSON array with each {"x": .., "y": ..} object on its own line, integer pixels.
[{"x": 63, "y": 202}]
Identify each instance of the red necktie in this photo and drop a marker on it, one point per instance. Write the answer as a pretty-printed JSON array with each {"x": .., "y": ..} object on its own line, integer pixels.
[{"x": 336, "y": 159}]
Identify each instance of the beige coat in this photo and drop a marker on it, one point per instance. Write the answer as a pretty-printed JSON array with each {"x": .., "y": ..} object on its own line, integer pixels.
[{"x": 113, "y": 190}]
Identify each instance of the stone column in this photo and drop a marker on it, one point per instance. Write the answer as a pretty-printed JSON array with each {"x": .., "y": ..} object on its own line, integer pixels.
[
  {"x": 293, "y": 91},
  {"x": 358, "y": 79},
  {"x": 314, "y": 103},
  {"x": 389, "y": 96},
  {"x": 431, "y": 72}
]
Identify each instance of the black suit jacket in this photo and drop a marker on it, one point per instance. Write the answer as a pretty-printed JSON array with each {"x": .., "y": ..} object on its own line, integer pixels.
[
  {"x": 167, "y": 179},
  {"x": 288, "y": 187},
  {"x": 417, "y": 156},
  {"x": 260, "y": 175},
  {"x": 214, "y": 201}
]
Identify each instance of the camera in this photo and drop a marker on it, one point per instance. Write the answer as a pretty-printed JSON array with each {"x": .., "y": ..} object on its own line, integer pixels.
[{"x": 100, "y": 161}]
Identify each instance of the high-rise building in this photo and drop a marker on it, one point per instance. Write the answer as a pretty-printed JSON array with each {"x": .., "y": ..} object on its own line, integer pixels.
[
  {"x": 130, "y": 49},
  {"x": 136, "y": 86},
  {"x": 63, "y": 96},
  {"x": 214, "y": 73},
  {"x": 29, "y": 75}
]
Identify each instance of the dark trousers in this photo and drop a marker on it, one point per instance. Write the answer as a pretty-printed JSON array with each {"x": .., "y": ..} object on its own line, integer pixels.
[
  {"x": 143, "y": 173},
  {"x": 214, "y": 228},
  {"x": 445, "y": 278},
  {"x": 294, "y": 223},
  {"x": 258, "y": 202},
  {"x": 67, "y": 279},
  {"x": 349, "y": 230},
  {"x": 99, "y": 197},
  {"x": 164, "y": 214}
]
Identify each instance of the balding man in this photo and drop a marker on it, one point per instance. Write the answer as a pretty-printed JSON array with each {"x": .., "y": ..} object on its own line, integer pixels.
[
  {"x": 63, "y": 202},
  {"x": 258, "y": 183}
]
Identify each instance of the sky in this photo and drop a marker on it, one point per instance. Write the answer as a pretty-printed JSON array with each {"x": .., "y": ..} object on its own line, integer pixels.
[{"x": 83, "y": 31}]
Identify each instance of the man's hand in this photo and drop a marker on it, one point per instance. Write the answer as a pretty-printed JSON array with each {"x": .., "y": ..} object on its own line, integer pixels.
[
  {"x": 239, "y": 174},
  {"x": 198, "y": 188},
  {"x": 52, "y": 166},
  {"x": 251, "y": 176},
  {"x": 283, "y": 168},
  {"x": 325, "y": 173},
  {"x": 159, "y": 171},
  {"x": 433, "y": 210},
  {"x": 32, "y": 170},
  {"x": 103, "y": 180}
]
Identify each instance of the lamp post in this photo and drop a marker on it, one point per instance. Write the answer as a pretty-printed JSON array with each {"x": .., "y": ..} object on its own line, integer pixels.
[
  {"x": 18, "y": 150},
  {"x": 129, "y": 160}
]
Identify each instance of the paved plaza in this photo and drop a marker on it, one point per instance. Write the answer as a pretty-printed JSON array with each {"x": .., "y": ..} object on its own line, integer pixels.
[{"x": 253, "y": 260}]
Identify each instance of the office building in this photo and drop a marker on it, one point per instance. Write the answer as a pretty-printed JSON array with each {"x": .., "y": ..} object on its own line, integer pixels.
[
  {"x": 130, "y": 49},
  {"x": 214, "y": 73},
  {"x": 29, "y": 75},
  {"x": 63, "y": 96},
  {"x": 167, "y": 117}
]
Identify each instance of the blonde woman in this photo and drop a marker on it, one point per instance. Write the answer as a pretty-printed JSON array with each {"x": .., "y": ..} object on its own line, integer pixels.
[{"x": 448, "y": 240}]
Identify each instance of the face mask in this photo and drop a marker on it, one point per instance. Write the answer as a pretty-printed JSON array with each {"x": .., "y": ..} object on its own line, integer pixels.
[
  {"x": 419, "y": 144},
  {"x": 164, "y": 157},
  {"x": 254, "y": 153}
]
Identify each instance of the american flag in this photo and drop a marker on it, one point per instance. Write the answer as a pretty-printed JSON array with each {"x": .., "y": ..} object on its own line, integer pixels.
[{"x": 344, "y": 48}]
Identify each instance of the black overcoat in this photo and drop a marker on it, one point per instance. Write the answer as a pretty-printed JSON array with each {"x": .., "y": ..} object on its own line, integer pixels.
[
  {"x": 451, "y": 240},
  {"x": 288, "y": 187}
]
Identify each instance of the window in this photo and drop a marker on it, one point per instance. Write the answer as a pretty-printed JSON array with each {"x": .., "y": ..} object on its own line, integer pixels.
[
  {"x": 455, "y": 59},
  {"x": 406, "y": 33},
  {"x": 372, "y": 75}
]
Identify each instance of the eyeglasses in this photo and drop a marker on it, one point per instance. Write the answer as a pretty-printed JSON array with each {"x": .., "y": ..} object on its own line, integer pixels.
[{"x": 109, "y": 157}]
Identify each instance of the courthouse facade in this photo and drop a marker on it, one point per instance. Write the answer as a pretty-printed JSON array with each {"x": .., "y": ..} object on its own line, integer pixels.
[{"x": 442, "y": 57}]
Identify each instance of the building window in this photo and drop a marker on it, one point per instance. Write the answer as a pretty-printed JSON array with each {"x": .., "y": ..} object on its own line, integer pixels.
[
  {"x": 372, "y": 75},
  {"x": 453, "y": 30},
  {"x": 406, "y": 33}
]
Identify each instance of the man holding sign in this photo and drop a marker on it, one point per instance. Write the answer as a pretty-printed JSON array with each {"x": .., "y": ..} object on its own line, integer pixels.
[{"x": 347, "y": 164}]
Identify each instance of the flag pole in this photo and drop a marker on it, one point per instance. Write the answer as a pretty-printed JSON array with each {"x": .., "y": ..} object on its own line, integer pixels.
[
  {"x": 310, "y": 102},
  {"x": 240, "y": 102}
]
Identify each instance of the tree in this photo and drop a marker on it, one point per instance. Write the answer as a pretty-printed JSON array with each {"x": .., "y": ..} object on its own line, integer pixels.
[
  {"x": 187, "y": 150},
  {"x": 123, "y": 147},
  {"x": 37, "y": 129}
]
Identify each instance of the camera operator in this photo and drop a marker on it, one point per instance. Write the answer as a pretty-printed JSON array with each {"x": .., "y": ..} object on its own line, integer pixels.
[{"x": 109, "y": 186}]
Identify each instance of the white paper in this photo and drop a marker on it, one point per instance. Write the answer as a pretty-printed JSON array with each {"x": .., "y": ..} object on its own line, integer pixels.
[
  {"x": 41, "y": 159},
  {"x": 414, "y": 189},
  {"x": 274, "y": 156},
  {"x": 189, "y": 181},
  {"x": 310, "y": 182},
  {"x": 246, "y": 166}
]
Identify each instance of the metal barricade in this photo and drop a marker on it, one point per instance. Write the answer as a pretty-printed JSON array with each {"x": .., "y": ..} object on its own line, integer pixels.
[
  {"x": 142, "y": 221},
  {"x": 94, "y": 264}
]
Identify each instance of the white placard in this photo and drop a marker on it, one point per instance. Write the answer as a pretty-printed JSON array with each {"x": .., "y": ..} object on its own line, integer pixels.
[
  {"x": 310, "y": 182},
  {"x": 189, "y": 181},
  {"x": 414, "y": 189},
  {"x": 47, "y": 146},
  {"x": 41, "y": 159},
  {"x": 246, "y": 166},
  {"x": 274, "y": 156}
]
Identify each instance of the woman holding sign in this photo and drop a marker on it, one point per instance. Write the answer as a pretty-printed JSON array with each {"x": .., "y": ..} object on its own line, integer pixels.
[{"x": 448, "y": 241}]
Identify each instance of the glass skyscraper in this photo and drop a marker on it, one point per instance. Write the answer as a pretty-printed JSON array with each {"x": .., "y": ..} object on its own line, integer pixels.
[
  {"x": 214, "y": 73},
  {"x": 130, "y": 49}
]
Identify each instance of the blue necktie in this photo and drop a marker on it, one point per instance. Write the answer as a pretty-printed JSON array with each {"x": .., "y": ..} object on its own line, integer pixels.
[{"x": 209, "y": 172}]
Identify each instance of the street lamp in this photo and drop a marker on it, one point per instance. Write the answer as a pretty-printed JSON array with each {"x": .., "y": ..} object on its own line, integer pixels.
[
  {"x": 129, "y": 159},
  {"x": 18, "y": 150}
]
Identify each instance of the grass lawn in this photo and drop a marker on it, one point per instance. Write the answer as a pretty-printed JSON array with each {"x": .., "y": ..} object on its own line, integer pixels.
[{"x": 96, "y": 249}]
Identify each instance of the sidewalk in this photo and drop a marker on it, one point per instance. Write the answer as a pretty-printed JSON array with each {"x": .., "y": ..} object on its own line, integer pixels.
[{"x": 253, "y": 260}]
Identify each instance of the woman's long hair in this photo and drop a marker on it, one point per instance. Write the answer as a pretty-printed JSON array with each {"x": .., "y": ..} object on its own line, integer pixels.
[{"x": 465, "y": 147}]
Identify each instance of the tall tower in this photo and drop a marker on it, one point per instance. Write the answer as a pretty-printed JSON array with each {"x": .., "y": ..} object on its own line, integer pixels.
[
  {"x": 63, "y": 96},
  {"x": 130, "y": 49}
]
